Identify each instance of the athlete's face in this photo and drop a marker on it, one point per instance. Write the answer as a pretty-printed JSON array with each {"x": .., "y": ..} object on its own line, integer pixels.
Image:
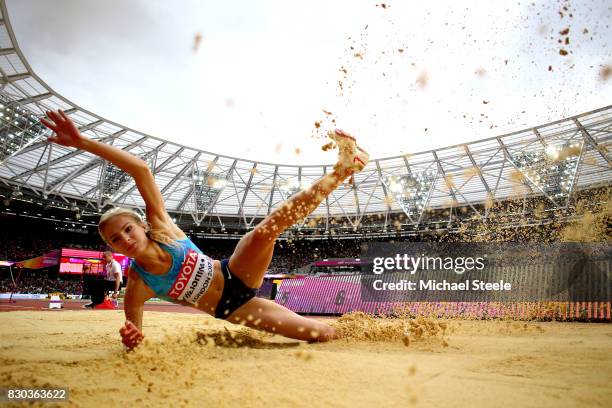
[{"x": 125, "y": 235}]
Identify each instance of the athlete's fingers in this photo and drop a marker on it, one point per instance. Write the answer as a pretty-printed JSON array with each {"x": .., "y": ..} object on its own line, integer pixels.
[
  {"x": 132, "y": 333},
  {"x": 49, "y": 124},
  {"x": 129, "y": 333},
  {"x": 129, "y": 324},
  {"x": 131, "y": 338},
  {"x": 126, "y": 332},
  {"x": 132, "y": 341},
  {"x": 63, "y": 115},
  {"x": 55, "y": 117}
]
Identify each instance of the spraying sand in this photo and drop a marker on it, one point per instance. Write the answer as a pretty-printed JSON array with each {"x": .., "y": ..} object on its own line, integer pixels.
[{"x": 194, "y": 360}]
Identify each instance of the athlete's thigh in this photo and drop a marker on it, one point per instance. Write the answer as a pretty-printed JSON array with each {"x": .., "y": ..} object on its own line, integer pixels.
[{"x": 251, "y": 259}]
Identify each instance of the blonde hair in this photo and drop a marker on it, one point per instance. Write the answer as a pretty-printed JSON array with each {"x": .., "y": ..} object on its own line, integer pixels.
[{"x": 156, "y": 235}]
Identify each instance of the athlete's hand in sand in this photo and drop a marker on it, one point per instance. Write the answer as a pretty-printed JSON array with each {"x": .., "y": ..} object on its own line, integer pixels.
[
  {"x": 130, "y": 335},
  {"x": 66, "y": 132}
]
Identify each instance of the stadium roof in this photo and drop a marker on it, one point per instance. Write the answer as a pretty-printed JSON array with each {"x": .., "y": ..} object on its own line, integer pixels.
[{"x": 552, "y": 160}]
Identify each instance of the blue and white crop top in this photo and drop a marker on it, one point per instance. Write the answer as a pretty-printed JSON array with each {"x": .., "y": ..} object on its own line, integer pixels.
[{"x": 189, "y": 276}]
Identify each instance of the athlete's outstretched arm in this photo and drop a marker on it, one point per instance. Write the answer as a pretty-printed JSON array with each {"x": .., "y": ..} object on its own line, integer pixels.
[
  {"x": 136, "y": 294},
  {"x": 67, "y": 134}
]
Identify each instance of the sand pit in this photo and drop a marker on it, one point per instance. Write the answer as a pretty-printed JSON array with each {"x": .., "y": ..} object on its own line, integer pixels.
[{"x": 194, "y": 360}]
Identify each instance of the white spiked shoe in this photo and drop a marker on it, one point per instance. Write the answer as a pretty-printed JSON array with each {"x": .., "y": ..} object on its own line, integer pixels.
[{"x": 351, "y": 158}]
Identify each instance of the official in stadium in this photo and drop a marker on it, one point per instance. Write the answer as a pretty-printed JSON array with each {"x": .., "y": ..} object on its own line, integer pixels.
[{"x": 114, "y": 275}]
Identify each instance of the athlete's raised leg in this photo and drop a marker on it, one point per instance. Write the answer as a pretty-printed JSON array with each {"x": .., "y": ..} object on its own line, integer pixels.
[{"x": 253, "y": 253}]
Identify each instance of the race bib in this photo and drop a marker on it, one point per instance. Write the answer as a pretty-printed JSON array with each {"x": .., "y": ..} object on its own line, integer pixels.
[{"x": 193, "y": 279}]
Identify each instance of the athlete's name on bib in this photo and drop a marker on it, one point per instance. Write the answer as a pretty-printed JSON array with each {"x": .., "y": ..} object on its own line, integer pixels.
[{"x": 193, "y": 278}]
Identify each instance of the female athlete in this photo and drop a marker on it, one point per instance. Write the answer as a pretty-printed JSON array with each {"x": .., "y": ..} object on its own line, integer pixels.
[{"x": 166, "y": 264}]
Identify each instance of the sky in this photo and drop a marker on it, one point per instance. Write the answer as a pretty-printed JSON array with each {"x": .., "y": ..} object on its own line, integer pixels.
[{"x": 265, "y": 80}]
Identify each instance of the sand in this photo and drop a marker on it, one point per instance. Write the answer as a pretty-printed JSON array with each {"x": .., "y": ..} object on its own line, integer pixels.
[{"x": 194, "y": 360}]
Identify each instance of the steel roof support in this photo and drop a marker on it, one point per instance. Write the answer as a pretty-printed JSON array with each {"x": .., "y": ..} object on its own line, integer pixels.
[
  {"x": 587, "y": 136},
  {"x": 155, "y": 169},
  {"x": 482, "y": 179},
  {"x": 380, "y": 177},
  {"x": 244, "y": 196},
  {"x": 272, "y": 190},
  {"x": 187, "y": 195},
  {"x": 450, "y": 188}
]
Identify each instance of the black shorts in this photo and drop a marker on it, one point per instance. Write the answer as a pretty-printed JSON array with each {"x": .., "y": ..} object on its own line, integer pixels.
[
  {"x": 235, "y": 293},
  {"x": 109, "y": 285}
]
